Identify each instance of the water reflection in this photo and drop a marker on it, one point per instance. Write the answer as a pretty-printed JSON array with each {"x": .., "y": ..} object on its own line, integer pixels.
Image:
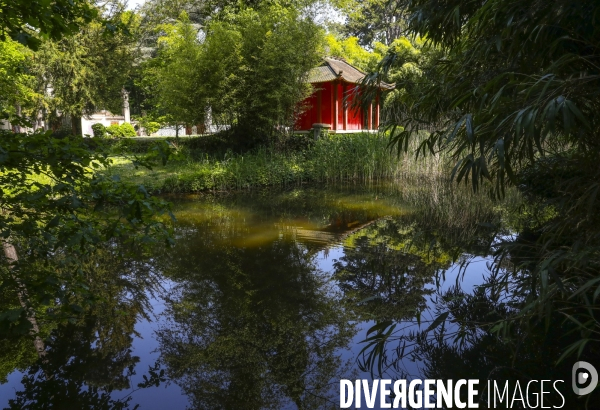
[
  {"x": 88, "y": 354},
  {"x": 79, "y": 370},
  {"x": 254, "y": 322},
  {"x": 251, "y": 321},
  {"x": 383, "y": 274},
  {"x": 252, "y": 327},
  {"x": 483, "y": 355}
]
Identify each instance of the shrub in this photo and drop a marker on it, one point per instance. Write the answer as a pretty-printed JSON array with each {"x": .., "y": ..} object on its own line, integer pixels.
[
  {"x": 128, "y": 130},
  {"x": 114, "y": 130},
  {"x": 121, "y": 131},
  {"x": 152, "y": 127},
  {"x": 337, "y": 158},
  {"x": 99, "y": 130}
]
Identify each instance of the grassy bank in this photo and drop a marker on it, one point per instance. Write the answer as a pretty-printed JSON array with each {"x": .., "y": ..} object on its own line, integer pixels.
[{"x": 331, "y": 159}]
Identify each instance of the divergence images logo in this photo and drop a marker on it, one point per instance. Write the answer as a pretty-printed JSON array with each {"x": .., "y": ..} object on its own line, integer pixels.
[{"x": 584, "y": 374}]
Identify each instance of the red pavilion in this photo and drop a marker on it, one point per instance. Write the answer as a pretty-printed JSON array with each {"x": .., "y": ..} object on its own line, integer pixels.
[{"x": 330, "y": 106}]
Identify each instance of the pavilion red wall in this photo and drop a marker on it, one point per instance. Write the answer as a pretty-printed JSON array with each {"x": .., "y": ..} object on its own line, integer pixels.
[
  {"x": 355, "y": 117},
  {"x": 311, "y": 115},
  {"x": 326, "y": 101}
]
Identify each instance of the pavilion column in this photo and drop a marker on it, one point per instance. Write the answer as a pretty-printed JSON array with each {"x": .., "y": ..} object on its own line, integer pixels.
[
  {"x": 335, "y": 111},
  {"x": 370, "y": 117},
  {"x": 345, "y": 107},
  {"x": 377, "y": 112}
]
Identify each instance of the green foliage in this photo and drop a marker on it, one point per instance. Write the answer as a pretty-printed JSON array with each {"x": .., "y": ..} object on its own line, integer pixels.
[
  {"x": 497, "y": 119},
  {"x": 152, "y": 127},
  {"x": 88, "y": 70},
  {"x": 99, "y": 130},
  {"x": 114, "y": 130},
  {"x": 264, "y": 71},
  {"x": 127, "y": 130},
  {"x": 124, "y": 130},
  {"x": 17, "y": 84},
  {"x": 173, "y": 76},
  {"x": 248, "y": 71},
  {"x": 353, "y": 53},
  {"x": 510, "y": 91},
  {"x": 56, "y": 209},
  {"x": 148, "y": 123},
  {"x": 372, "y": 21},
  {"x": 332, "y": 159},
  {"x": 28, "y": 20}
]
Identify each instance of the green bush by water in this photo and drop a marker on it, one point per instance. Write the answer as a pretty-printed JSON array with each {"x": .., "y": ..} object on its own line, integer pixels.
[{"x": 331, "y": 159}]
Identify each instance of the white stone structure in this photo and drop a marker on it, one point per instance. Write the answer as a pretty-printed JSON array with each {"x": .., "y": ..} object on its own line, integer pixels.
[
  {"x": 126, "y": 112},
  {"x": 103, "y": 117}
]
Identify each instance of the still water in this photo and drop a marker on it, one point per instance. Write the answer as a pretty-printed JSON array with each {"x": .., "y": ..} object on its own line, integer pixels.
[{"x": 263, "y": 302}]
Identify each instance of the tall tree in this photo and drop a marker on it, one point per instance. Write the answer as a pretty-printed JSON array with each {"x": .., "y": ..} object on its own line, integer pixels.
[
  {"x": 86, "y": 71},
  {"x": 172, "y": 78},
  {"x": 54, "y": 210},
  {"x": 350, "y": 50},
  {"x": 372, "y": 20},
  {"x": 247, "y": 67},
  {"x": 263, "y": 56},
  {"x": 17, "y": 83}
]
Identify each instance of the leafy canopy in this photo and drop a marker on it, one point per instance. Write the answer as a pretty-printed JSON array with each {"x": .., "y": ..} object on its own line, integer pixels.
[
  {"x": 172, "y": 77},
  {"x": 247, "y": 68},
  {"x": 510, "y": 91},
  {"x": 511, "y": 80},
  {"x": 87, "y": 70},
  {"x": 27, "y": 20},
  {"x": 17, "y": 83},
  {"x": 350, "y": 50}
]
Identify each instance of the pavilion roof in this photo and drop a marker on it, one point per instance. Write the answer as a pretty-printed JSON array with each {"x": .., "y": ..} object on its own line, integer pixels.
[{"x": 335, "y": 69}]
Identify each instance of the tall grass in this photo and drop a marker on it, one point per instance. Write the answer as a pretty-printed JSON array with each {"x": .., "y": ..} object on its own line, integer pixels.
[{"x": 333, "y": 158}]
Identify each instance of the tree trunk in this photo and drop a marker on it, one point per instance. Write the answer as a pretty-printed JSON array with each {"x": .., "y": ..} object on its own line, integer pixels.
[
  {"x": 11, "y": 256},
  {"x": 74, "y": 126}
]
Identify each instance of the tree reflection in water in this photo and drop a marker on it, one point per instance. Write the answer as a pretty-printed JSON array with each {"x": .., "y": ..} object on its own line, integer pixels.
[
  {"x": 252, "y": 322},
  {"x": 455, "y": 335},
  {"x": 509, "y": 356},
  {"x": 88, "y": 355},
  {"x": 383, "y": 275},
  {"x": 252, "y": 326}
]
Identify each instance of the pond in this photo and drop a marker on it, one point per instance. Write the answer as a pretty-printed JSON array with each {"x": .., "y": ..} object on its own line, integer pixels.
[{"x": 264, "y": 301}]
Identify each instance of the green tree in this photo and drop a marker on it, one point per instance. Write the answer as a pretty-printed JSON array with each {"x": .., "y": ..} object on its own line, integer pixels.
[
  {"x": 263, "y": 56},
  {"x": 512, "y": 96},
  {"x": 86, "y": 72},
  {"x": 350, "y": 50},
  {"x": 372, "y": 21},
  {"x": 17, "y": 83},
  {"x": 173, "y": 76},
  {"x": 55, "y": 209}
]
